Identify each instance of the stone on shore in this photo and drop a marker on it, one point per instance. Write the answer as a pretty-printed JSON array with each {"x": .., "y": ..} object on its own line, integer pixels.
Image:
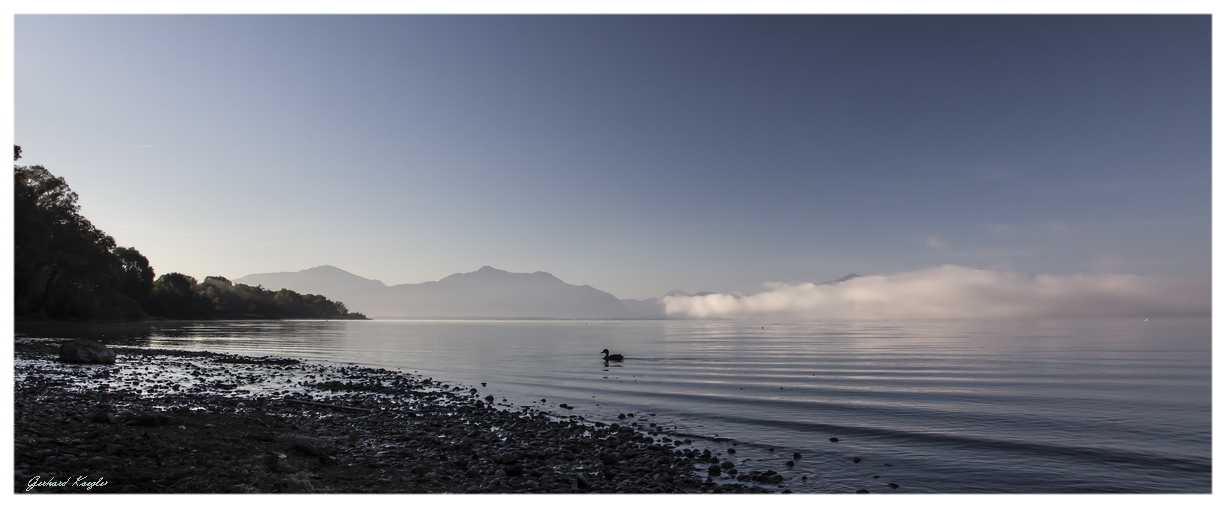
[
  {"x": 103, "y": 416},
  {"x": 307, "y": 447},
  {"x": 86, "y": 351},
  {"x": 152, "y": 419}
]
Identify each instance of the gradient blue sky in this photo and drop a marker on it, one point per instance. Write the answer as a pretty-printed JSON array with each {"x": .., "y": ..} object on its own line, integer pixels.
[{"x": 636, "y": 154}]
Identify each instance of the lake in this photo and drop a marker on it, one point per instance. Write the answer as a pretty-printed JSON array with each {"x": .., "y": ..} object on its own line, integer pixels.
[{"x": 933, "y": 406}]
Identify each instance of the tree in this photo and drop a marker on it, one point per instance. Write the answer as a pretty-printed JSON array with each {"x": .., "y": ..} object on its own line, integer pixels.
[
  {"x": 137, "y": 279},
  {"x": 64, "y": 267},
  {"x": 174, "y": 296}
]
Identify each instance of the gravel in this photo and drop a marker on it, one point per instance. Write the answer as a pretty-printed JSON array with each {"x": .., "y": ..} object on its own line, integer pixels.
[{"x": 162, "y": 421}]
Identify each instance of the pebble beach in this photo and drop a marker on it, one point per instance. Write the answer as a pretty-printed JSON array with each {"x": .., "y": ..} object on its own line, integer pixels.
[{"x": 163, "y": 421}]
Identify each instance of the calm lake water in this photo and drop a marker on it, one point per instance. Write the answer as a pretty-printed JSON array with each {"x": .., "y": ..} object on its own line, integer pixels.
[{"x": 1024, "y": 406}]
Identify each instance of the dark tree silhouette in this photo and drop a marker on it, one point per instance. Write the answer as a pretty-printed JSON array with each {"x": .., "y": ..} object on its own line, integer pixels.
[
  {"x": 174, "y": 296},
  {"x": 67, "y": 269},
  {"x": 137, "y": 279},
  {"x": 64, "y": 267},
  {"x": 179, "y": 296}
]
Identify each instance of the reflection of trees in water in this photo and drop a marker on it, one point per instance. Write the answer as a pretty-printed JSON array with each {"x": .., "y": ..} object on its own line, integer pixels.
[
  {"x": 288, "y": 336},
  {"x": 127, "y": 334},
  {"x": 221, "y": 335}
]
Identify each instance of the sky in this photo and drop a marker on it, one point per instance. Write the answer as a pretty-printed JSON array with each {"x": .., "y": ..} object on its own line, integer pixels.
[{"x": 639, "y": 154}]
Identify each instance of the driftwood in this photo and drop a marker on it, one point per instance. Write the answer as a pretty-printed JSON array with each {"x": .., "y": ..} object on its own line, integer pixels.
[{"x": 334, "y": 406}]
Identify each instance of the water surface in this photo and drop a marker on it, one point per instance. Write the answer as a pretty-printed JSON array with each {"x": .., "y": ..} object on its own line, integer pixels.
[{"x": 1053, "y": 406}]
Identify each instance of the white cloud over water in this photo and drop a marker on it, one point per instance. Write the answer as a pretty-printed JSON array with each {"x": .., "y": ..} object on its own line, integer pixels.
[{"x": 960, "y": 292}]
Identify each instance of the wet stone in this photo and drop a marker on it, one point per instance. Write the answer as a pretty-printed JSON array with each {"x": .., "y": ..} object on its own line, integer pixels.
[
  {"x": 86, "y": 351},
  {"x": 307, "y": 447},
  {"x": 103, "y": 417},
  {"x": 152, "y": 419}
]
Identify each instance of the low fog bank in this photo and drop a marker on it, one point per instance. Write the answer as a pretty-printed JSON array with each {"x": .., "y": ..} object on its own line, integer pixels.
[{"x": 960, "y": 292}]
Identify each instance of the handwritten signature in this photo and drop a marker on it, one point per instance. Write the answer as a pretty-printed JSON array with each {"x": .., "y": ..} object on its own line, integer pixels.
[{"x": 80, "y": 481}]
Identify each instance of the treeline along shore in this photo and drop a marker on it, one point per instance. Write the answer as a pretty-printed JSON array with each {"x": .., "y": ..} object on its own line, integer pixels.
[
  {"x": 159, "y": 421},
  {"x": 66, "y": 269}
]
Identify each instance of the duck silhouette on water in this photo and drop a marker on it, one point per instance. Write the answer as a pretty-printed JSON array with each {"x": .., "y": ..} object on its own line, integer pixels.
[{"x": 611, "y": 357}]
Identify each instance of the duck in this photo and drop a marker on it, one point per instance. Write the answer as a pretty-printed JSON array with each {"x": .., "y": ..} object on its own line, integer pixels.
[{"x": 612, "y": 358}]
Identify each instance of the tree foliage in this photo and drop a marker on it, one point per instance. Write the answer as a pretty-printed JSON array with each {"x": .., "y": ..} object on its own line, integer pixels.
[
  {"x": 179, "y": 296},
  {"x": 137, "y": 278},
  {"x": 64, "y": 267},
  {"x": 67, "y": 269}
]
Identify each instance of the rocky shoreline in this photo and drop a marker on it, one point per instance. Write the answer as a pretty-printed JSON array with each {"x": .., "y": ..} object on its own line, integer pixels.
[{"x": 160, "y": 421}]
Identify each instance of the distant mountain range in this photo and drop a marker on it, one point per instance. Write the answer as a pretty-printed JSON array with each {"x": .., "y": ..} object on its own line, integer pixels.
[
  {"x": 844, "y": 278},
  {"x": 485, "y": 293}
]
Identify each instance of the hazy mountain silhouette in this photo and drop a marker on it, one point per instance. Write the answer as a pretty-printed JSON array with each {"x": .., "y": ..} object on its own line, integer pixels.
[
  {"x": 844, "y": 278},
  {"x": 650, "y": 308},
  {"x": 322, "y": 280},
  {"x": 485, "y": 293}
]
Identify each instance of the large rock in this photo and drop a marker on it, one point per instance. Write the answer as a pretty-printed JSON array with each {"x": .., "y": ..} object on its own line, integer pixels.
[
  {"x": 307, "y": 447},
  {"x": 152, "y": 419},
  {"x": 86, "y": 351}
]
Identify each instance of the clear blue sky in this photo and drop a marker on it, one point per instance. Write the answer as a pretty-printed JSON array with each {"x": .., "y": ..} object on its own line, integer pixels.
[{"x": 635, "y": 154}]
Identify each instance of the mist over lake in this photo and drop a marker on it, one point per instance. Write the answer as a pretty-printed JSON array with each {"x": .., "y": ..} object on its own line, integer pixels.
[{"x": 1034, "y": 406}]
